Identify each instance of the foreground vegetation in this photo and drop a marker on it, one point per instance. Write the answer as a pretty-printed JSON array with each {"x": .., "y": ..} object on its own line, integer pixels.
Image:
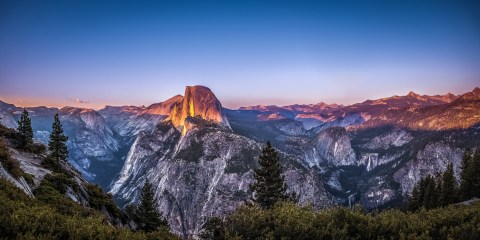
[
  {"x": 289, "y": 221},
  {"x": 23, "y": 217}
]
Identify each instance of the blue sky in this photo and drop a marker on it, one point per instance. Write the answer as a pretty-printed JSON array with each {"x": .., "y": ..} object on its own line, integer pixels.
[{"x": 60, "y": 53}]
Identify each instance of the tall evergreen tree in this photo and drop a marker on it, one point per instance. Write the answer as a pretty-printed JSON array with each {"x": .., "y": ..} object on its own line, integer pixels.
[
  {"x": 213, "y": 229},
  {"x": 439, "y": 189},
  {"x": 269, "y": 186},
  {"x": 25, "y": 130},
  {"x": 449, "y": 187},
  {"x": 57, "y": 143},
  {"x": 431, "y": 193},
  {"x": 476, "y": 174},
  {"x": 415, "y": 201},
  {"x": 149, "y": 218},
  {"x": 467, "y": 176}
]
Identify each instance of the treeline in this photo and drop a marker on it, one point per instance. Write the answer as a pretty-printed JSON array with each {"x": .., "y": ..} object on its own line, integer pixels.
[{"x": 443, "y": 190}]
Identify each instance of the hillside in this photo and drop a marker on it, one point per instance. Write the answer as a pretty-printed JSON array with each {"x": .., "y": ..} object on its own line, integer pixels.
[{"x": 44, "y": 201}]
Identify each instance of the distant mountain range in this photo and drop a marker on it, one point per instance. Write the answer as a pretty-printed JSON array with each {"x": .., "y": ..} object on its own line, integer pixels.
[{"x": 200, "y": 156}]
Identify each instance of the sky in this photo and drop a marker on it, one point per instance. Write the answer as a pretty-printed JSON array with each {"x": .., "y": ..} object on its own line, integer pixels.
[{"x": 97, "y": 53}]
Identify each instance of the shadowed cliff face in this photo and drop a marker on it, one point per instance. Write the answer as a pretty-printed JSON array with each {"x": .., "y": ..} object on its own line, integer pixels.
[
  {"x": 204, "y": 173},
  {"x": 200, "y": 102}
]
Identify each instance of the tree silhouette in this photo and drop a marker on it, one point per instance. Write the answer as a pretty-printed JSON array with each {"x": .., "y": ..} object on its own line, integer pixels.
[
  {"x": 57, "y": 143},
  {"x": 146, "y": 214},
  {"x": 269, "y": 186},
  {"x": 25, "y": 130},
  {"x": 449, "y": 187}
]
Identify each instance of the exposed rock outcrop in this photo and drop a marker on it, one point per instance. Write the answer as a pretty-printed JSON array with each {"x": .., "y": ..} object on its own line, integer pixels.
[
  {"x": 333, "y": 146},
  {"x": 432, "y": 159},
  {"x": 200, "y": 102}
]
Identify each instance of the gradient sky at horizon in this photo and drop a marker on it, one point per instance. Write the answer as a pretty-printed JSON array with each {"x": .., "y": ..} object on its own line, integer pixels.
[{"x": 96, "y": 53}]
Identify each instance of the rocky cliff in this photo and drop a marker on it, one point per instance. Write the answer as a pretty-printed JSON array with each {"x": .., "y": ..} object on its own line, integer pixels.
[
  {"x": 198, "y": 101},
  {"x": 204, "y": 173}
]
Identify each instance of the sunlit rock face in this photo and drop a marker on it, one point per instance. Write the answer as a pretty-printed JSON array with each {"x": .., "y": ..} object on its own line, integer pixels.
[{"x": 198, "y": 101}]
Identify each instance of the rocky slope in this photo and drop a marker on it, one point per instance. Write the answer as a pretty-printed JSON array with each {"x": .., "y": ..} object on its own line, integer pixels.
[
  {"x": 91, "y": 140},
  {"x": 203, "y": 170},
  {"x": 27, "y": 171}
]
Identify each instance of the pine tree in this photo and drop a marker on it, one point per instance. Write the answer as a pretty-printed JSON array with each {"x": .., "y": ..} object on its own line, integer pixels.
[
  {"x": 149, "y": 218},
  {"x": 431, "y": 193},
  {"x": 449, "y": 187},
  {"x": 57, "y": 144},
  {"x": 415, "y": 201},
  {"x": 438, "y": 190},
  {"x": 422, "y": 187},
  {"x": 269, "y": 186},
  {"x": 213, "y": 229},
  {"x": 25, "y": 130},
  {"x": 423, "y": 194},
  {"x": 467, "y": 176},
  {"x": 476, "y": 174}
]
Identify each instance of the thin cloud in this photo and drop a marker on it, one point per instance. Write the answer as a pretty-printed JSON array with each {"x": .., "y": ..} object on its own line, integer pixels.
[{"x": 78, "y": 100}]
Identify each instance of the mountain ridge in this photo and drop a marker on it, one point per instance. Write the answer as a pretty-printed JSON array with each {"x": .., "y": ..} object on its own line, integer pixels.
[{"x": 370, "y": 153}]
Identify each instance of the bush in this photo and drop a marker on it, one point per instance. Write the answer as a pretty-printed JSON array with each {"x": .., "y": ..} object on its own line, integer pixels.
[
  {"x": 29, "y": 218},
  {"x": 8, "y": 133},
  {"x": 54, "y": 165},
  {"x": 10, "y": 164},
  {"x": 28, "y": 178},
  {"x": 288, "y": 221},
  {"x": 52, "y": 190},
  {"x": 37, "y": 148},
  {"x": 59, "y": 181},
  {"x": 99, "y": 199}
]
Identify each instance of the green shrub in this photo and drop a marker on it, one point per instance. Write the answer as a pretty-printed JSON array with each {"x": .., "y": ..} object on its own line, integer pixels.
[
  {"x": 28, "y": 178},
  {"x": 60, "y": 182},
  {"x": 50, "y": 163},
  {"x": 37, "y": 148},
  {"x": 10, "y": 164},
  {"x": 99, "y": 199},
  {"x": 288, "y": 221},
  {"x": 23, "y": 217},
  {"x": 8, "y": 133}
]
